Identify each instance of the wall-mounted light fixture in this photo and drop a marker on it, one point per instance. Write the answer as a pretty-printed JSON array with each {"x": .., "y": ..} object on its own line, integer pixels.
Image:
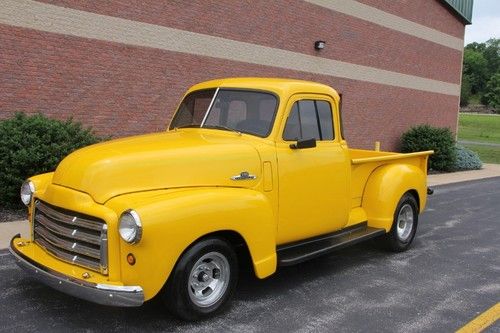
[{"x": 319, "y": 44}]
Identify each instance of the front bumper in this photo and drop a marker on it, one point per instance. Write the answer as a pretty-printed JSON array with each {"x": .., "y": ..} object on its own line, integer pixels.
[{"x": 105, "y": 294}]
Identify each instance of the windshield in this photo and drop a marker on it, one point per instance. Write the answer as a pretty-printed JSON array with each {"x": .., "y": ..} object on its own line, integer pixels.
[{"x": 244, "y": 111}]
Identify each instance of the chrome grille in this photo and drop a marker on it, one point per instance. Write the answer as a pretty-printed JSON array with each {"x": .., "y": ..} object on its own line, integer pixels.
[{"x": 72, "y": 237}]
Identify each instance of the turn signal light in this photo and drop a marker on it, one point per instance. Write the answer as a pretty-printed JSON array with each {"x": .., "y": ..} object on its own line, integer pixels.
[{"x": 131, "y": 259}]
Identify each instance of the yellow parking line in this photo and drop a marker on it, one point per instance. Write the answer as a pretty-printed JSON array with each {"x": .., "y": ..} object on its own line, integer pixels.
[{"x": 482, "y": 321}]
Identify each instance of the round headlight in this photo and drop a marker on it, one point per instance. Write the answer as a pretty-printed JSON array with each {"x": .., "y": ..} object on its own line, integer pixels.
[
  {"x": 130, "y": 226},
  {"x": 27, "y": 190}
]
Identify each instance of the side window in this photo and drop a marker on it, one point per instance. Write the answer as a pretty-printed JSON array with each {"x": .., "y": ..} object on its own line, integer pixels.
[
  {"x": 309, "y": 119},
  {"x": 292, "y": 130},
  {"x": 325, "y": 120}
]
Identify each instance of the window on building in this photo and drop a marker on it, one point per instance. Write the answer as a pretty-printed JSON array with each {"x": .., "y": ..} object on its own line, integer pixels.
[{"x": 309, "y": 119}]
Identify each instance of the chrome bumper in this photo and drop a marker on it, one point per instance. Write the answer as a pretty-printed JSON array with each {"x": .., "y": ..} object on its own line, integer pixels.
[{"x": 93, "y": 292}]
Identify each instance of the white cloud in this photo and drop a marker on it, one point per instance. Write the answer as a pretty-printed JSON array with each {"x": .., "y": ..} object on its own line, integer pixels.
[
  {"x": 485, "y": 22},
  {"x": 482, "y": 29}
]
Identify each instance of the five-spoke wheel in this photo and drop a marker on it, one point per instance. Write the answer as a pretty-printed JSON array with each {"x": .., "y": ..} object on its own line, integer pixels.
[
  {"x": 209, "y": 279},
  {"x": 404, "y": 225},
  {"x": 203, "y": 280}
]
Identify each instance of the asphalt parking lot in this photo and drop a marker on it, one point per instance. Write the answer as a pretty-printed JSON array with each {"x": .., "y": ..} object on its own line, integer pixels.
[{"x": 449, "y": 276}]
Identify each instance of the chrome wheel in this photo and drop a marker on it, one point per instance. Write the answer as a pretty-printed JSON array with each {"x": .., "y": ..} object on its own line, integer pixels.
[
  {"x": 405, "y": 222},
  {"x": 209, "y": 279}
]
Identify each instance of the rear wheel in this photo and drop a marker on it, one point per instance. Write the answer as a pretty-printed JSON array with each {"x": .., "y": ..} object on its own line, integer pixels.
[
  {"x": 203, "y": 280},
  {"x": 404, "y": 224}
]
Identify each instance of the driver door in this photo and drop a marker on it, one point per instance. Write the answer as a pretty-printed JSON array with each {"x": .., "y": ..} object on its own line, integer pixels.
[{"x": 313, "y": 182}]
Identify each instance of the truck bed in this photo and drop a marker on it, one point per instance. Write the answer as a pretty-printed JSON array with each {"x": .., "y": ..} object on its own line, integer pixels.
[{"x": 364, "y": 162}]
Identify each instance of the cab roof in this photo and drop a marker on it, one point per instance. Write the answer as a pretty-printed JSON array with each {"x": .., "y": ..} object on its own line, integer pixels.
[{"x": 279, "y": 86}]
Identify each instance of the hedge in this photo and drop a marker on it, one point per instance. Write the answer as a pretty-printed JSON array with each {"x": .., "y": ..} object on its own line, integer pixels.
[
  {"x": 35, "y": 144},
  {"x": 425, "y": 137}
]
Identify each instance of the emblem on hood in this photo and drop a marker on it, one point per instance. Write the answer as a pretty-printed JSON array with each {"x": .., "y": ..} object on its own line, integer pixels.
[{"x": 244, "y": 175}]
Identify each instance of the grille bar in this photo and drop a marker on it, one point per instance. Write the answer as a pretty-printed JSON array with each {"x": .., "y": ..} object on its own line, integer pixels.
[
  {"x": 67, "y": 245},
  {"x": 71, "y": 220},
  {"x": 67, "y": 232},
  {"x": 68, "y": 257},
  {"x": 71, "y": 237}
]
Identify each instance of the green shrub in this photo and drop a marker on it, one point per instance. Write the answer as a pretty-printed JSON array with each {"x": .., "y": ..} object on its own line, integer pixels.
[
  {"x": 425, "y": 137},
  {"x": 466, "y": 159},
  {"x": 31, "y": 145}
]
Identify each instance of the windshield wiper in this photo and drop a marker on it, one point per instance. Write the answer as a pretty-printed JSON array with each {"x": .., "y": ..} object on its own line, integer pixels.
[{"x": 221, "y": 127}]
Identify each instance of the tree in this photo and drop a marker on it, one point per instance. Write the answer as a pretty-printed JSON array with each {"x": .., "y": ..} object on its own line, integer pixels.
[
  {"x": 465, "y": 91},
  {"x": 476, "y": 69},
  {"x": 481, "y": 66},
  {"x": 491, "y": 96},
  {"x": 475, "y": 46},
  {"x": 492, "y": 55}
]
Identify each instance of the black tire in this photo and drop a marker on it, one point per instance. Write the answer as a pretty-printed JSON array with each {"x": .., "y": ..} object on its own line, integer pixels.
[
  {"x": 180, "y": 296},
  {"x": 400, "y": 239}
]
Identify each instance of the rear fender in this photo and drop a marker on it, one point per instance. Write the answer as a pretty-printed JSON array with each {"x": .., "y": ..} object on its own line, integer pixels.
[{"x": 385, "y": 187}]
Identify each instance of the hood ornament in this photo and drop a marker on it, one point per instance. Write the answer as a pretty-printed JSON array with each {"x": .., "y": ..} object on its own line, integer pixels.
[{"x": 244, "y": 175}]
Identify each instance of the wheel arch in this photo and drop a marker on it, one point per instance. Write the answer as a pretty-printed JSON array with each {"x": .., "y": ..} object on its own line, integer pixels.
[
  {"x": 385, "y": 187},
  {"x": 235, "y": 240},
  {"x": 415, "y": 195}
]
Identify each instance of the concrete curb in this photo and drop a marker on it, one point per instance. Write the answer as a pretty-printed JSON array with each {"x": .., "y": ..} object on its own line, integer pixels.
[
  {"x": 488, "y": 171},
  {"x": 9, "y": 229}
]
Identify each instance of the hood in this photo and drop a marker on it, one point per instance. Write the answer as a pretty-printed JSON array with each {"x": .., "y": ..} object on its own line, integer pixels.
[{"x": 184, "y": 158}]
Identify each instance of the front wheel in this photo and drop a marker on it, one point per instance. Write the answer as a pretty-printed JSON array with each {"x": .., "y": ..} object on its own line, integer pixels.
[
  {"x": 203, "y": 280},
  {"x": 404, "y": 224}
]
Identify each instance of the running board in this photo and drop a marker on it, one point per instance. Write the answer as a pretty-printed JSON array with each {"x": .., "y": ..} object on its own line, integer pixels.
[{"x": 297, "y": 252}]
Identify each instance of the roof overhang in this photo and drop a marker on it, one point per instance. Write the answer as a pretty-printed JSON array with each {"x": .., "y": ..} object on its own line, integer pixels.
[{"x": 461, "y": 8}]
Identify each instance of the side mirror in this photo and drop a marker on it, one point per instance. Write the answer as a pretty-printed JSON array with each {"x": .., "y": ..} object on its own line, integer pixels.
[{"x": 302, "y": 144}]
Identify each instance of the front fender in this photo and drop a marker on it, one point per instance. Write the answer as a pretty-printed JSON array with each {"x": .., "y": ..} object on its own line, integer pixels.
[
  {"x": 385, "y": 186},
  {"x": 172, "y": 221},
  {"x": 42, "y": 181}
]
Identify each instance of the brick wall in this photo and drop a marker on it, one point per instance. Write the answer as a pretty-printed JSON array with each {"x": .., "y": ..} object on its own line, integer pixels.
[
  {"x": 294, "y": 25},
  {"x": 121, "y": 89},
  {"x": 431, "y": 13}
]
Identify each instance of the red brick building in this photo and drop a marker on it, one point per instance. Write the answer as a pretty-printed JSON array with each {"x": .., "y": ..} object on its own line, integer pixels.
[{"x": 122, "y": 66}]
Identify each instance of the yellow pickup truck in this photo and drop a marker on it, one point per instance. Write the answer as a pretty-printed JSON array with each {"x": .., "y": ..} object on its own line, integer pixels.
[{"x": 250, "y": 171}]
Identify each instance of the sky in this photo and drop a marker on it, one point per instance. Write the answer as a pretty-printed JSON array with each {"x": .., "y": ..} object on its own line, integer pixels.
[{"x": 485, "y": 21}]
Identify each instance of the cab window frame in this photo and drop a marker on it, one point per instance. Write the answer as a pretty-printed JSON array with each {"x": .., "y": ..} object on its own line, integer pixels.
[{"x": 296, "y": 106}]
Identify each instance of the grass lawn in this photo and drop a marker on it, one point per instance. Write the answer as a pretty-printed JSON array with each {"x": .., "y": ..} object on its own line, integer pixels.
[
  {"x": 486, "y": 153},
  {"x": 481, "y": 128}
]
